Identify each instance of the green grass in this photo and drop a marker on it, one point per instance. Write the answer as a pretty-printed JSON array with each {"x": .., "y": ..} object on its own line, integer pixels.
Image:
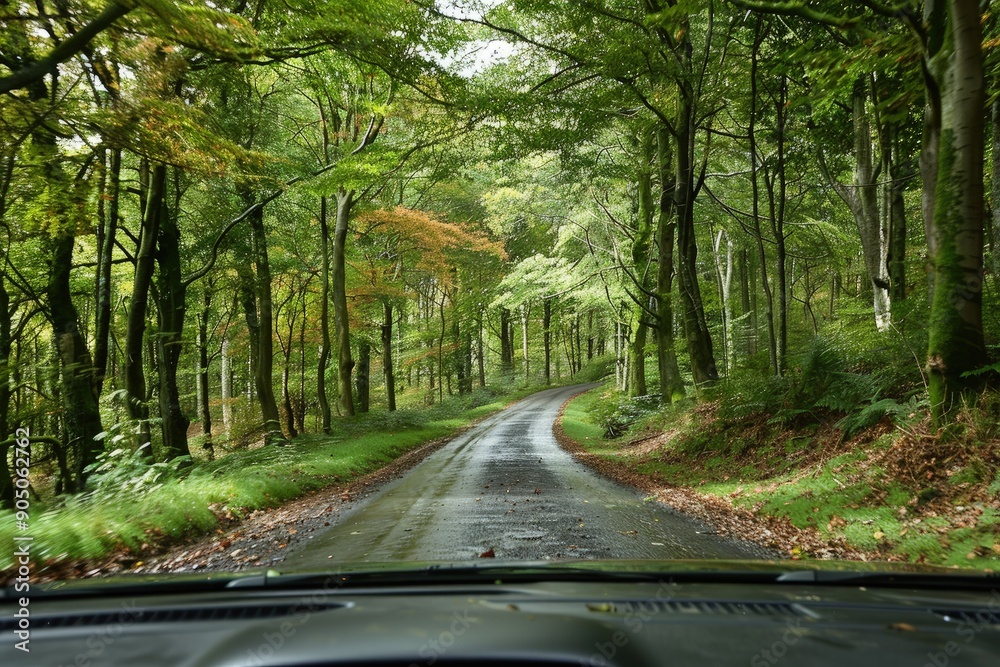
[
  {"x": 578, "y": 424},
  {"x": 89, "y": 527},
  {"x": 844, "y": 497}
]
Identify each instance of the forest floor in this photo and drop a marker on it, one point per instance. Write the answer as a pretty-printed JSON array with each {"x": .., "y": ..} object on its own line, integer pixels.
[
  {"x": 271, "y": 499},
  {"x": 889, "y": 494}
]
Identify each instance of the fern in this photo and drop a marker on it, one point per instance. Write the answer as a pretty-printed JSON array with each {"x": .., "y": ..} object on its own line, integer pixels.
[
  {"x": 992, "y": 368},
  {"x": 870, "y": 415},
  {"x": 845, "y": 391}
]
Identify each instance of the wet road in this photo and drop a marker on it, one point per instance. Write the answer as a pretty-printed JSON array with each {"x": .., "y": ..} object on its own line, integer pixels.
[{"x": 508, "y": 486}]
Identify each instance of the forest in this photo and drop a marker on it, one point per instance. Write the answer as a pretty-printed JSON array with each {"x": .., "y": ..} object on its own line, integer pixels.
[{"x": 226, "y": 225}]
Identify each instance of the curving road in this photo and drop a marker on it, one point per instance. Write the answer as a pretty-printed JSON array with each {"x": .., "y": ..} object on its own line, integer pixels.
[{"x": 508, "y": 486}]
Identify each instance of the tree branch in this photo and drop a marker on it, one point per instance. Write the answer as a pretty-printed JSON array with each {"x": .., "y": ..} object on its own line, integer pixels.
[{"x": 29, "y": 74}]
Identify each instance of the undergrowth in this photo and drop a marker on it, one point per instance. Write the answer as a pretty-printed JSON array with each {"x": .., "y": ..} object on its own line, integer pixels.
[
  {"x": 840, "y": 444},
  {"x": 134, "y": 503}
]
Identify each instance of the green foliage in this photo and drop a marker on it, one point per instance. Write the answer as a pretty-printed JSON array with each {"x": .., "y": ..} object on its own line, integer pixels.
[
  {"x": 751, "y": 392},
  {"x": 872, "y": 414},
  {"x": 829, "y": 379},
  {"x": 130, "y": 473},
  {"x": 616, "y": 414},
  {"x": 595, "y": 370}
]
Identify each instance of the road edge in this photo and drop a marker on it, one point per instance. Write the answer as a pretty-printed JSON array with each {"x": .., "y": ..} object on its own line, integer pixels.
[{"x": 727, "y": 519}]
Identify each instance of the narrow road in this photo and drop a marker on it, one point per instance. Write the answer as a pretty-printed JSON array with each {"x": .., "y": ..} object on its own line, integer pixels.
[{"x": 507, "y": 486}]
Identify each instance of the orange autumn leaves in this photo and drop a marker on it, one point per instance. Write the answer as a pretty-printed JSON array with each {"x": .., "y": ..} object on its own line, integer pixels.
[{"x": 426, "y": 243}]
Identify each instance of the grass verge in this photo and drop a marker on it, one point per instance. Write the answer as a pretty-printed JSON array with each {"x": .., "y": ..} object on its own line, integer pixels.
[
  {"x": 92, "y": 526},
  {"x": 889, "y": 493}
]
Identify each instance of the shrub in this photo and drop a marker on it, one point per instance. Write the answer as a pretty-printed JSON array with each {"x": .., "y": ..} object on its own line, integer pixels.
[
  {"x": 616, "y": 415},
  {"x": 130, "y": 473}
]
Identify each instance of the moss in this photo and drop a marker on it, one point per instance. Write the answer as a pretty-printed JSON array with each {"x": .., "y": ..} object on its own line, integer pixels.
[{"x": 955, "y": 336}]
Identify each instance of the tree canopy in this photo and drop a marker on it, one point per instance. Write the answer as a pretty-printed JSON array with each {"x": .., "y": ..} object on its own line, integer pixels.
[{"x": 232, "y": 224}]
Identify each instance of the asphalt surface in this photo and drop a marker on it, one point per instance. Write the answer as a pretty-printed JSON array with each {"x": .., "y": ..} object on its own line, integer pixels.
[{"x": 506, "y": 487}]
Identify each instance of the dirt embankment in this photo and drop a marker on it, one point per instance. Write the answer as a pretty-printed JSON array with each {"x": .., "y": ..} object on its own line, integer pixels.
[{"x": 916, "y": 479}]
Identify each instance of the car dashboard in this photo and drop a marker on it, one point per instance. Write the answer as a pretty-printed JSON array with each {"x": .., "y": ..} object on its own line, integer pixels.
[{"x": 552, "y": 623}]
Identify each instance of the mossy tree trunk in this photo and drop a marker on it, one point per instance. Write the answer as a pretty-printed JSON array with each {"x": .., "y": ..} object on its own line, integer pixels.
[
  {"x": 952, "y": 169},
  {"x": 671, "y": 383}
]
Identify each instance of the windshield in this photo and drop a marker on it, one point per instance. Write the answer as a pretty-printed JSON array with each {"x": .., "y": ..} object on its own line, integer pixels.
[{"x": 337, "y": 285}]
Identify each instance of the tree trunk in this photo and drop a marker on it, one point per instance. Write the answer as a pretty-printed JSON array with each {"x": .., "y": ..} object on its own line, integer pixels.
[
  {"x": 6, "y": 482},
  {"x": 342, "y": 333},
  {"x": 756, "y": 167},
  {"x": 506, "y": 342},
  {"x": 577, "y": 341},
  {"x": 440, "y": 351},
  {"x": 387, "y": 368},
  {"x": 324, "y": 318},
  {"x": 637, "y": 381},
  {"x": 465, "y": 371},
  {"x": 525, "y": 312},
  {"x": 747, "y": 333},
  {"x": 776, "y": 187},
  {"x": 671, "y": 383},
  {"x": 361, "y": 378},
  {"x": 102, "y": 333},
  {"x": 227, "y": 385},
  {"x": 263, "y": 375},
  {"x": 78, "y": 388},
  {"x": 953, "y": 160},
  {"x": 994, "y": 235},
  {"x": 895, "y": 208},
  {"x": 866, "y": 210},
  {"x": 724, "y": 275},
  {"x": 699, "y": 338},
  {"x": 172, "y": 294},
  {"x": 286, "y": 392},
  {"x": 547, "y": 337},
  {"x": 300, "y": 405},
  {"x": 590, "y": 335},
  {"x": 480, "y": 349},
  {"x": 154, "y": 193},
  {"x": 203, "y": 383},
  {"x": 861, "y": 199},
  {"x": 461, "y": 354}
]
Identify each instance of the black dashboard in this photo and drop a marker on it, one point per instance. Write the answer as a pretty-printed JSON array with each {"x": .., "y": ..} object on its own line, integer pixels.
[{"x": 555, "y": 623}]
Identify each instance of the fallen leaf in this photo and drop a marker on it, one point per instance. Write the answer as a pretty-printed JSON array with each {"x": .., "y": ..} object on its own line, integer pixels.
[
  {"x": 902, "y": 627},
  {"x": 489, "y": 553}
]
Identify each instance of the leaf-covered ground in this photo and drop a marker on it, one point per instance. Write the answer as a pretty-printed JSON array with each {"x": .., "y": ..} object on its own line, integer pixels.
[{"x": 890, "y": 493}]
